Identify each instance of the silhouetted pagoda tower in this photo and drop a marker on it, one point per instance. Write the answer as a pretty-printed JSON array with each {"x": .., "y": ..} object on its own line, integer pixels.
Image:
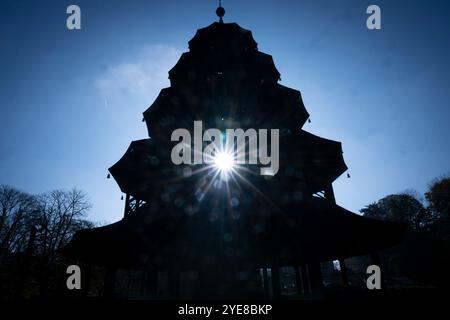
[{"x": 217, "y": 235}]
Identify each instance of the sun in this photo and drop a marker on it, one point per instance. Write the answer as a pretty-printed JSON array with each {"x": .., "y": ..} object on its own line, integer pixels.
[{"x": 224, "y": 161}]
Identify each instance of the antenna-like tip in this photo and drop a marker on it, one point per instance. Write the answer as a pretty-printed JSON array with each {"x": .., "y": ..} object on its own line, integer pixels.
[{"x": 220, "y": 11}]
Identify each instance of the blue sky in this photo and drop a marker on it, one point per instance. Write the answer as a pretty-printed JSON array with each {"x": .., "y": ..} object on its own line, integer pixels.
[{"x": 72, "y": 101}]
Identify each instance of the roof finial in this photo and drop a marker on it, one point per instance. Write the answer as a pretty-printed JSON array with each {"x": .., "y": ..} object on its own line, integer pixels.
[{"x": 220, "y": 12}]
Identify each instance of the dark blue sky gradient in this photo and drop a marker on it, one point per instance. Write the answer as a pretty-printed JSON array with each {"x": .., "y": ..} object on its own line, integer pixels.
[{"x": 72, "y": 101}]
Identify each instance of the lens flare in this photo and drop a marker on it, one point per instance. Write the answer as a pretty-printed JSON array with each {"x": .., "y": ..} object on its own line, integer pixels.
[{"x": 224, "y": 161}]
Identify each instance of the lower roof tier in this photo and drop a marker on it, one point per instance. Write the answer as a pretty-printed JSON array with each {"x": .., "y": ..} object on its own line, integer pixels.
[{"x": 304, "y": 232}]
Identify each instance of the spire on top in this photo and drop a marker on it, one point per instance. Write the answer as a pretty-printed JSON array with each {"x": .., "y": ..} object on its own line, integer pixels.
[{"x": 220, "y": 11}]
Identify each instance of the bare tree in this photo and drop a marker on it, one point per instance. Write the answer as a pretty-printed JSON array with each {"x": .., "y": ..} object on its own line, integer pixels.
[
  {"x": 61, "y": 214},
  {"x": 17, "y": 214},
  {"x": 32, "y": 230}
]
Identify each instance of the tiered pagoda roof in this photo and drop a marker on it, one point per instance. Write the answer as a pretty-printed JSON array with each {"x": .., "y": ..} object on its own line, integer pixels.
[{"x": 181, "y": 217}]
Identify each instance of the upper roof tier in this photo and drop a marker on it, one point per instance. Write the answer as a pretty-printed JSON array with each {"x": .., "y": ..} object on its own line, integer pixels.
[
  {"x": 223, "y": 48},
  {"x": 223, "y": 36}
]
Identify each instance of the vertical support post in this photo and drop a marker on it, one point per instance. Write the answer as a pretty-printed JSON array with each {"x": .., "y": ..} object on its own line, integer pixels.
[
  {"x": 298, "y": 280},
  {"x": 110, "y": 282},
  {"x": 266, "y": 283},
  {"x": 376, "y": 260},
  {"x": 174, "y": 284},
  {"x": 86, "y": 280},
  {"x": 276, "y": 286},
  {"x": 344, "y": 273},
  {"x": 315, "y": 276},
  {"x": 151, "y": 282},
  {"x": 305, "y": 279},
  {"x": 329, "y": 193},
  {"x": 127, "y": 205}
]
